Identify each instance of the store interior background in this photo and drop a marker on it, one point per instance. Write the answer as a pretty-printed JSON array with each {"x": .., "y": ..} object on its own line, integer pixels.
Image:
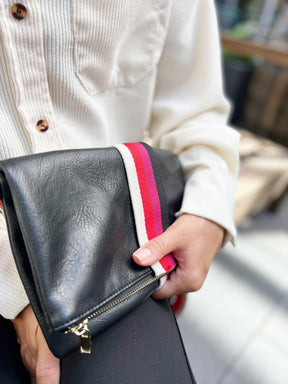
[{"x": 235, "y": 328}]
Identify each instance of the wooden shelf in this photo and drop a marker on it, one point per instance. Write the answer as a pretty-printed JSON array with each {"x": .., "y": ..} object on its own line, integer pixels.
[{"x": 250, "y": 49}]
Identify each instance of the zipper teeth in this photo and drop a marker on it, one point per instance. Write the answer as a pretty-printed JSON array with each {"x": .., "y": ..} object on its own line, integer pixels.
[
  {"x": 125, "y": 297},
  {"x": 72, "y": 328}
]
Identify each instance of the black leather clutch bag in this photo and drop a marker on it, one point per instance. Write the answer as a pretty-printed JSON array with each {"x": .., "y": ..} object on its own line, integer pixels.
[{"x": 74, "y": 219}]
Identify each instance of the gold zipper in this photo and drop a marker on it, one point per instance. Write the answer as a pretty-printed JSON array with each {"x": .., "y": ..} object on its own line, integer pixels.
[{"x": 82, "y": 330}]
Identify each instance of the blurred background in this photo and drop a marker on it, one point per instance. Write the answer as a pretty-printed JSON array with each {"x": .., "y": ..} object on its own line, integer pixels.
[{"x": 236, "y": 327}]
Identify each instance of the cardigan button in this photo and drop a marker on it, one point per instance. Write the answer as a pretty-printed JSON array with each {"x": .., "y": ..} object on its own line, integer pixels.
[
  {"x": 42, "y": 125},
  {"x": 18, "y": 11}
]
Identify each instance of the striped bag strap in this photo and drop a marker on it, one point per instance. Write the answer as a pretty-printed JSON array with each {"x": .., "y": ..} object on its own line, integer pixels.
[{"x": 148, "y": 198}]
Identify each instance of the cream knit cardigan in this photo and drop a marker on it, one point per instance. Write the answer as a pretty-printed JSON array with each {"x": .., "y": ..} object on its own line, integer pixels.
[{"x": 101, "y": 73}]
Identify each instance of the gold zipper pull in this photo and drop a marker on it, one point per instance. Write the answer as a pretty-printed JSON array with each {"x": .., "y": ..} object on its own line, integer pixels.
[{"x": 83, "y": 331}]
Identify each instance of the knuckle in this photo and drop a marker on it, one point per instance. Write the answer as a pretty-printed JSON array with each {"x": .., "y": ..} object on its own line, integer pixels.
[
  {"x": 158, "y": 245},
  {"x": 196, "y": 280},
  {"x": 196, "y": 286}
]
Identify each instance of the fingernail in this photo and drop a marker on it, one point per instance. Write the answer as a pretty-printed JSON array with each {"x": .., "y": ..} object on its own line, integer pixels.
[{"x": 143, "y": 254}]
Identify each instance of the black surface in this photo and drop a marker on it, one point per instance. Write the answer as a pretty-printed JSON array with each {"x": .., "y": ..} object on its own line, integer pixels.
[{"x": 145, "y": 347}]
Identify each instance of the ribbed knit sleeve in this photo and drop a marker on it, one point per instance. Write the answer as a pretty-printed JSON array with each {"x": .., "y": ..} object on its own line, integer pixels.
[
  {"x": 13, "y": 298},
  {"x": 189, "y": 114}
]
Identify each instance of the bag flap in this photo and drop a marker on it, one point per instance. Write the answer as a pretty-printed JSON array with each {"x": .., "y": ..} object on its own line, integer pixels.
[{"x": 72, "y": 211}]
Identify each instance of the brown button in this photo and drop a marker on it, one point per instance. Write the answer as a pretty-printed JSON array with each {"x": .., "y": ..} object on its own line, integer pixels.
[
  {"x": 18, "y": 11},
  {"x": 42, "y": 125}
]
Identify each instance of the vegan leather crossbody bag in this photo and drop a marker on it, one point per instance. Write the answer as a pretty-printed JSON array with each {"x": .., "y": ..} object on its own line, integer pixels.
[{"x": 74, "y": 219}]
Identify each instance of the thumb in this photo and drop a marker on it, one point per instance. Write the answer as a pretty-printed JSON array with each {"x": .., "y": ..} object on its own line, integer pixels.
[{"x": 154, "y": 250}]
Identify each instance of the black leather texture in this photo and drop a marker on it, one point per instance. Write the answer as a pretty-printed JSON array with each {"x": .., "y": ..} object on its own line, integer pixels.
[{"x": 72, "y": 233}]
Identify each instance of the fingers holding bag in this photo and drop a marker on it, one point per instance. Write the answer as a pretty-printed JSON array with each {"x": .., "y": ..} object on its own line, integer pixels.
[
  {"x": 42, "y": 365},
  {"x": 194, "y": 241}
]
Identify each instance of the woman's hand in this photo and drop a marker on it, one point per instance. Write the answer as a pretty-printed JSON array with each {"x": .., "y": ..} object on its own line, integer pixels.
[
  {"x": 194, "y": 241},
  {"x": 43, "y": 366}
]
